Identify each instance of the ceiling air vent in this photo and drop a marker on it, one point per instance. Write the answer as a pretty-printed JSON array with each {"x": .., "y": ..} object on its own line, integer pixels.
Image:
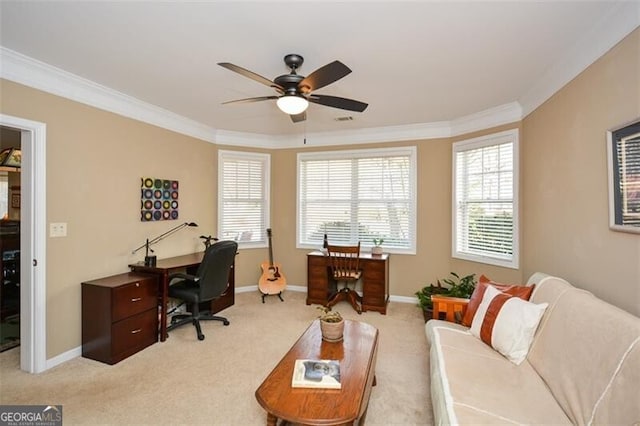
[{"x": 349, "y": 118}]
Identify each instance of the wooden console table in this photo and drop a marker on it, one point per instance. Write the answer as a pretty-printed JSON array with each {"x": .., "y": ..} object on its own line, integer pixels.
[
  {"x": 190, "y": 263},
  {"x": 375, "y": 280}
]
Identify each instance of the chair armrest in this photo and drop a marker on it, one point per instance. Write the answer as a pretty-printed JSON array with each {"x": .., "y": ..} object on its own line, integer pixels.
[
  {"x": 183, "y": 276},
  {"x": 452, "y": 306}
]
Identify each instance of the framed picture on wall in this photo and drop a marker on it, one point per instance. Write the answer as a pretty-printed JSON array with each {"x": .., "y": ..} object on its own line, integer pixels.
[
  {"x": 623, "y": 152},
  {"x": 15, "y": 201}
]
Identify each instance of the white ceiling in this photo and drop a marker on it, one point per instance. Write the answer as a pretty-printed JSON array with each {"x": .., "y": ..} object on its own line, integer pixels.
[{"x": 415, "y": 63}]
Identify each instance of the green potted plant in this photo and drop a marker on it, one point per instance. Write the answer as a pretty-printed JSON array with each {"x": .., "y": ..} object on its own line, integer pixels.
[
  {"x": 331, "y": 324},
  {"x": 424, "y": 298},
  {"x": 456, "y": 287},
  {"x": 461, "y": 287},
  {"x": 377, "y": 246}
]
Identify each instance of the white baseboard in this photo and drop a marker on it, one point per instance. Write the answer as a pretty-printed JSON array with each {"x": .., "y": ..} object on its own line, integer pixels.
[
  {"x": 404, "y": 299},
  {"x": 64, "y": 357},
  {"x": 250, "y": 288}
]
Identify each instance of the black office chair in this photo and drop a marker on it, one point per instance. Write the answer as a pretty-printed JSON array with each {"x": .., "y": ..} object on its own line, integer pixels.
[{"x": 209, "y": 283}]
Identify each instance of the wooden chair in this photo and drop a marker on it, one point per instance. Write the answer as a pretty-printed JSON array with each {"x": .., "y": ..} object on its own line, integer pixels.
[{"x": 344, "y": 267}]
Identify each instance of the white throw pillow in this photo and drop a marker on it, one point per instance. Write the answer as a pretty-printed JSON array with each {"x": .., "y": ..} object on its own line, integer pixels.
[{"x": 507, "y": 323}]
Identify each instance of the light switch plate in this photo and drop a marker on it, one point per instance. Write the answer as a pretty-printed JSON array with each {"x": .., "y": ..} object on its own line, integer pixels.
[{"x": 58, "y": 229}]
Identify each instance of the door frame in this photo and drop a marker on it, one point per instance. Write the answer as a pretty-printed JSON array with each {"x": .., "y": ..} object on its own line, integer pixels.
[{"x": 33, "y": 283}]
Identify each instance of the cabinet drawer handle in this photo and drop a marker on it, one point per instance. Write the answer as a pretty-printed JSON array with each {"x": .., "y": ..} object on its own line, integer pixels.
[
  {"x": 136, "y": 299},
  {"x": 136, "y": 331}
]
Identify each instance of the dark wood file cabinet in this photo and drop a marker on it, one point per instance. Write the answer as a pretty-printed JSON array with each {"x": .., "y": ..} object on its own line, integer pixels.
[{"x": 119, "y": 316}]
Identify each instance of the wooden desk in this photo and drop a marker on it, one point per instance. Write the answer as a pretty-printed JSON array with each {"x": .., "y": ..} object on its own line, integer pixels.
[
  {"x": 375, "y": 280},
  {"x": 190, "y": 263},
  {"x": 357, "y": 354}
]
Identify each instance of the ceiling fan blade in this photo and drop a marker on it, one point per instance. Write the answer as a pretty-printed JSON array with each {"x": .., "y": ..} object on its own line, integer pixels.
[
  {"x": 299, "y": 117},
  {"x": 336, "y": 102},
  {"x": 323, "y": 76},
  {"x": 247, "y": 100},
  {"x": 250, "y": 74}
]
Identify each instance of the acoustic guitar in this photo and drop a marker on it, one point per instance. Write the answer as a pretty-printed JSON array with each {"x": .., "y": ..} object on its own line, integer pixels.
[{"x": 272, "y": 280}]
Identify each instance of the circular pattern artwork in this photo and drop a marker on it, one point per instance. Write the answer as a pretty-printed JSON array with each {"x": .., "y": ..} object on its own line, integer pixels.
[{"x": 159, "y": 199}]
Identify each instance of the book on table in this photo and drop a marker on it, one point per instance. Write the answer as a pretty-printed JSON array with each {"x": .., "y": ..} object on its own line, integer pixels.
[{"x": 316, "y": 373}]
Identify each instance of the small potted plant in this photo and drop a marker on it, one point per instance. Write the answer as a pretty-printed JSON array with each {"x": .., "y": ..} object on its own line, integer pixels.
[
  {"x": 377, "y": 246},
  {"x": 331, "y": 324}
]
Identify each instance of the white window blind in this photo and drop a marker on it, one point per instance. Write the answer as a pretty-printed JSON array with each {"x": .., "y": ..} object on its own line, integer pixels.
[
  {"x": 243, "y": 197},
  {"x": 356, "y": 196},
  {"x": 485, "y": 207}
]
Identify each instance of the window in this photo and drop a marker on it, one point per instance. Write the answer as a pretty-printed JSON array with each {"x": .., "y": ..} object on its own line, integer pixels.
[
  {"x": 485, "y": 199},
  {"x": 243, "y": 194},
  {"x": 357, "y": 196}
]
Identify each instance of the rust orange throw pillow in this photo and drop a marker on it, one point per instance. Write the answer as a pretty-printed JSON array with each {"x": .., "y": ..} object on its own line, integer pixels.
[{"x": 521, "y": 291}]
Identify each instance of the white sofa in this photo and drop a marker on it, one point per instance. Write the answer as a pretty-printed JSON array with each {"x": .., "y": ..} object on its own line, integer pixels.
[{"x": 583, "y": 366}]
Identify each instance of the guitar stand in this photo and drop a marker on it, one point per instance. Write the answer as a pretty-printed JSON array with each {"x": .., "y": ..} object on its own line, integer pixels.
[{"x": 278, "y": 294}]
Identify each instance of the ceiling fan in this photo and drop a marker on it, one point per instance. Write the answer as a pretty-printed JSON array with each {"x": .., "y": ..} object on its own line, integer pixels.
[{"x": 295, "y": 91}]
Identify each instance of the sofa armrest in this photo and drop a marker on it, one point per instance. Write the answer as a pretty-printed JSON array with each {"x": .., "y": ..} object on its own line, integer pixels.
[{"x": 454, "y": 307}]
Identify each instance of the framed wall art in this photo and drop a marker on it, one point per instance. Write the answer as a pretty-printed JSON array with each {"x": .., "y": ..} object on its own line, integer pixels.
[
  {"x": 159, "y": 199},
  {"x": 15, "y": 201},
  {"x": 623, "y": 153}
]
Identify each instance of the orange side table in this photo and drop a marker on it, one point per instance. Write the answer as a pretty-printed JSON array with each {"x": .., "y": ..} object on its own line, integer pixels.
[{"x": 449, "y": 305}]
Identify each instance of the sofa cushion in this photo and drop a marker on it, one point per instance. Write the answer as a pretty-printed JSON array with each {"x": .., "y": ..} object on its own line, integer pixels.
[
  {"x": 507, "y": 323},
  {"x": 588, "y": 353},
  {"x": 523, "y": 292},
  {"x": 473, "y": 384}
]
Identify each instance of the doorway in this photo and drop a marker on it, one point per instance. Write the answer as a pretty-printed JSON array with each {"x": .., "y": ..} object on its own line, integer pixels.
[
  {"x": 32, "y": 259},
  {"x": 10, "y": 161}
]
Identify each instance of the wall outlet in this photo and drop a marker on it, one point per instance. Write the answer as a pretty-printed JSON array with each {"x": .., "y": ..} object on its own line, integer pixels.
[{"x": 58, "y": 230}]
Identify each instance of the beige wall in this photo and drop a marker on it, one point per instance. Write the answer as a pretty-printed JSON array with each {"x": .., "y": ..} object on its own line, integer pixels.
[
  {"x": 95, "y": 160},
  {"x": 408, "y": 273},
  {"x": 565, "y": 203}
]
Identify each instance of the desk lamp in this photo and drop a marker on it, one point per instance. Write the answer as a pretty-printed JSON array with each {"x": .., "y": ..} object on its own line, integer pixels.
[
  {"x": 150, "y": 260},
  {"x": 207, "y": 240}
]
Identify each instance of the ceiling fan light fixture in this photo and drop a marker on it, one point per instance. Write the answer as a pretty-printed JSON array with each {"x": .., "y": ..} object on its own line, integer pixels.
[{"x": 292, "y": 104}]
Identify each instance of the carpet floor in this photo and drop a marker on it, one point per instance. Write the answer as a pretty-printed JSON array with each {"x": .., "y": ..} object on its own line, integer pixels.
[{"x": 186, "y": 381}]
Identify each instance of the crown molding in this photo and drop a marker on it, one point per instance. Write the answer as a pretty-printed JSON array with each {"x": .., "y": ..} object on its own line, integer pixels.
[
  {"x": 612, "y": 28},
  {"x": 42, "y": 76},
  {"x": 381, "y": 134},
  {"x": 502, "y": 114},
  {"x": 39, "y": 75}
]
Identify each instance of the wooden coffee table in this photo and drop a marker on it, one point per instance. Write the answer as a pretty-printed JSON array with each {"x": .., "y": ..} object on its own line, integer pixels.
[{"x": 357, "y": 356}]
